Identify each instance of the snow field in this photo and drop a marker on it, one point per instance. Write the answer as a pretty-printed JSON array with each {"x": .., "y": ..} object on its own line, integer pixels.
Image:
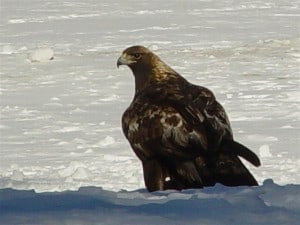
[{"x": 60, "y": 127}]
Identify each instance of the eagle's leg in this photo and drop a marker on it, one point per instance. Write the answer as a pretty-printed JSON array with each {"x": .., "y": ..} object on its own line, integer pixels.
[
  {"x": 154, "y": 175},
  {"x": 184, "y": 175},
  {"x": 188, "y": 175}
]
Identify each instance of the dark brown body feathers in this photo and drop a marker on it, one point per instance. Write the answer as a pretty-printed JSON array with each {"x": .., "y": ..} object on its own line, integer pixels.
[{"x": 178, "y": 130}]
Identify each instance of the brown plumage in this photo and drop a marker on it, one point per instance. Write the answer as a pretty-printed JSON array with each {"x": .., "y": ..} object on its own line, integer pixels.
[{"x": 178, "y": 130}]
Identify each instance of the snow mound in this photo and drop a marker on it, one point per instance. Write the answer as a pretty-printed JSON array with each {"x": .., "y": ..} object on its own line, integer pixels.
[
  {"x": 17, "y": 175},
  {"x": 7, "y": 50},
  {"x": 41, "y": 55},
  {"x": 264, "y": 151},
  {"x": 266, "y": 204},
  {"x": 108, "y": 140},
  {"x": 75, "y": 170}
]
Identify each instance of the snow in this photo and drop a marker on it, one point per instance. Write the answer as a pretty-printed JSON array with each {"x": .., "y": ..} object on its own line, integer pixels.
[
  {"x": 41, "y": 55},
  {"x": 267, "y": 204},
  {"x": 60, "y": 127},
  {"x": 264, "y": 151}
]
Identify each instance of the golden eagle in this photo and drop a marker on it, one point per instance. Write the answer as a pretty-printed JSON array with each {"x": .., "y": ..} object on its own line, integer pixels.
[{"x": 178, "y": 130}]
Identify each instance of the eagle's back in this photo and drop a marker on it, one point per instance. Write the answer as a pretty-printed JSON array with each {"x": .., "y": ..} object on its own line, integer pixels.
[
  {"x": 158, "y": 130},
  {"x": 163, "y": 121}
]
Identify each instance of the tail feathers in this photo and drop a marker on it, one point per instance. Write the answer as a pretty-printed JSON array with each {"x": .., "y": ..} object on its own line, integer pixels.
[
  {"x": 230, "y": 171},
  {"x": 242, "y": 151}
]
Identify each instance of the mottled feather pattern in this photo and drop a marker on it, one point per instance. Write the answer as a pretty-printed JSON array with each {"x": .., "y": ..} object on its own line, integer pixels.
[{"x": 179, "y": 131}]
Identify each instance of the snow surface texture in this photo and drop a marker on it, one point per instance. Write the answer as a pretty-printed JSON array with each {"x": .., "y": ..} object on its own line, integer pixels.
[
  {"x": 41, "y": 55},
  {"x": 60, "y": 123},
  {"x": 267, "y": 204}
]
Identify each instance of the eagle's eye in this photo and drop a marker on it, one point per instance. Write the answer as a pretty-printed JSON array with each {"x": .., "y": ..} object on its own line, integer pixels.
[{"x": 137, "y": 55}]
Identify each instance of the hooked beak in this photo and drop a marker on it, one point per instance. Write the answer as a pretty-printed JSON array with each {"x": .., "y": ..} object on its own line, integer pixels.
[{"x": 124, "y": 59}]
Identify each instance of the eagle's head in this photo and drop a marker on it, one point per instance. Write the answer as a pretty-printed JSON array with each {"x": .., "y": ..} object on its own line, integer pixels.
[
  {"x": 145, "y": 65},
  {"x": 135, "y": 57}
]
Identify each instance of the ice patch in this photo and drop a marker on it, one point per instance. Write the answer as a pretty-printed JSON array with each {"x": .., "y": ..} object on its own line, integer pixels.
[
  {"x": 71, "y": 169},
  {"x": 153, "y": 12},
  {"x": 89, "y": 151},
  {"x": 229, "y": 96},
  {"x": 153, "y": 47},
  {"x": 102, "y": 123},
  {"x": 78, "y": 111},
  {"x": 41, "y": 55},
  {"x": 112, "y": 97},
  {"x": 55, "y": 99},
  {"x": 54, "y": 104},
  {"x": 114, "y": 158},
  {"x": 81, "y": 174},
  {"x": 262, "y": 138},
  {"x": 287, "y": 127},
  {"x": 7, "y": 50},
  {"x": 3, "y": 127},
  {"x": 163, "y": 28},
  {"x": 62, "y": 143},
  {"x": 26, "y": 112},
  {"x": 68, "y": 129},
  {"x": 108, "y": 140},
  {"x": 23, "y": 48},
  {"x": 17, "y": 175},
  {"x": 17, "y": 21},
  {"x": 264, "y": 151}
]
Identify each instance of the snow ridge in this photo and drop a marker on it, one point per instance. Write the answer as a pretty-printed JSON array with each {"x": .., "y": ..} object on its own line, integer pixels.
[{"x": 266, "y": 204}]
